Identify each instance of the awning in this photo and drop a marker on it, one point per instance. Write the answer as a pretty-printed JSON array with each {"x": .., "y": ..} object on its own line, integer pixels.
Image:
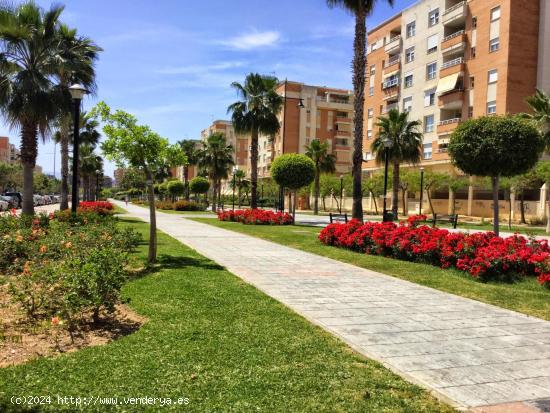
[
  {"x": 393, "y": 72},
  {"x": 447, "y": 84}
]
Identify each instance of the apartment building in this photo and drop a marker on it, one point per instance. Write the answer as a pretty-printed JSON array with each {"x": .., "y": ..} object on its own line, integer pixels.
[
  {"x": 445, "y": 61},
  {"x": 192, "y": 170},
  {"x": 9, "y": 153},
  {"x": 239, "y": 142},
  {"x": 310, "y": 112}
]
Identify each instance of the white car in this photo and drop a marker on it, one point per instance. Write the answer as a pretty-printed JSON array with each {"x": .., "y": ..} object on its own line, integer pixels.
[
  {"x": 4, "y": 206},
  {"x": 38, "y": 200}
]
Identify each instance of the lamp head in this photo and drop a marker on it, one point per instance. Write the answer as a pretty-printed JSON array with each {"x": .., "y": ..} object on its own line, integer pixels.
[
  {"x": 387, "y": 142},
  {"x": 77, "y": 91}
]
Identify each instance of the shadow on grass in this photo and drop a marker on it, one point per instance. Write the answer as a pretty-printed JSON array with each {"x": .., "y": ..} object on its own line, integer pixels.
[
  {"x": 8, "y": 407},
  {"x": 165, "y": 262}
]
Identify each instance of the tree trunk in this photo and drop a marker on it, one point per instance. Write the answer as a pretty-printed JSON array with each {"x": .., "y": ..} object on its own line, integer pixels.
[
  {"x": 375, "y": 204},
  {"x": 239, "y": 196},
  {"x": 429, "y": 195},
  {"x": 29, "y": 151},
  {"x": 214, "y": 195},
  {"x": 316, "y": 190},
  {"x": 395, "y": 190},
  {"x": 403, "y": 195},
  {"x": 324, "y": 204},
  {"x": 186, "y": 181},
  {"x": 294, "y": 207},
  {"x": 254, "y": 168},
  {"x": 548, "y": 207},
  {"x": 64, "y": 144},
  {"x": 359, "y": 68},
  {"x": 495, "y": 205},
  {"x": 522, "y": 207},
  {"x": 153, "y": 220}
]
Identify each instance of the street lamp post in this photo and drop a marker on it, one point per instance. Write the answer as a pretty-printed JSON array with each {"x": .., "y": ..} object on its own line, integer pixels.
[
  {"x": 421, "y": 190},
  {"x": 341, "y": 192},
  {"x": 235, "y": 169},
  {"x": 77, "y": 93},
  {"x": 97, "y": 173},
  {"x": 387, "y": 145}
]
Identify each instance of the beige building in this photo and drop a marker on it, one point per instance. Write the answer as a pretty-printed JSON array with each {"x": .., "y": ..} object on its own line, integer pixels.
[
  {"x": 311, "y": 112},
  {"x": 9, "y": 153},
  {"x": 240, "y": 143}
]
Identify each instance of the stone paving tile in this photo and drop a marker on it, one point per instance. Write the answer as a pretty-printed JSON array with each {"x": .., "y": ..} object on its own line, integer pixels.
[{"x": 473, "y": 353}]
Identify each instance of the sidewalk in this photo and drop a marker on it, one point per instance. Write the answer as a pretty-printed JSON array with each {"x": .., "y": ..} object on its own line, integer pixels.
[{"x": 469, "y": 353}]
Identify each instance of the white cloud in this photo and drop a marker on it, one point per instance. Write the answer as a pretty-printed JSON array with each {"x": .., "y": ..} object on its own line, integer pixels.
[
  {"x": 253, "y": 40},
  {"x": 199, "y": 69}
]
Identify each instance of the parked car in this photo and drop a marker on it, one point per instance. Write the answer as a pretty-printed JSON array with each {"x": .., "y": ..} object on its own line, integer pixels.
[
  {"x": 47, "y": 199},
  {"x": 38, "y": 200},
  {"x": 4, "y": 205},
  {"x": 18, "y": 196},
  {"x": 55, "y": 198},
  {"x": 12, "y": 201}
]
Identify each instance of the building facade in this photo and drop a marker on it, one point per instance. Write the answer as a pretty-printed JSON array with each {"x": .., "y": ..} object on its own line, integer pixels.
[
  {"x": 446, "y": 61},
  {"x": 240, "y": 143},
  {"x": 310, "y": 112},
  {"x": 9, "y": 153}
]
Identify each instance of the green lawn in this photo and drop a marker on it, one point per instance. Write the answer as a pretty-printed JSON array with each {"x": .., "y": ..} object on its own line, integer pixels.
[
  {"x": 221, "y": 343},
  {"x": 526, "y": 296}
]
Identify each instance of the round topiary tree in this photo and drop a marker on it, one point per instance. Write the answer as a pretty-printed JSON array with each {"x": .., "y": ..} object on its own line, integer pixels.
[
  {"x": 293, "y": 171},
  {"x": 495, "y": 146},
  {"x": 199, "y": 185},
  {"x": 175, "y": 188}
]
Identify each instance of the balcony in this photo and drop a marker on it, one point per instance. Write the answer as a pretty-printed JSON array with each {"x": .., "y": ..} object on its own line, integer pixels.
[
  {"x": 341, "y": 143},
  {"x": 342, "y": 133},
  {"x": 452, "y": 100},
  {"x": 390, "y": 83},
  {"x": 345, "y": 121},
  {"x": 390, "y": 107},
  {"x": 455, "y": 14},
  {"x": 447, "y": 126},
  {"x": 393, "y": 45},
  {"x": 392, "y": 65},
  {"x": 454, "y": 43},
  {"x": 451, "y": 67}
]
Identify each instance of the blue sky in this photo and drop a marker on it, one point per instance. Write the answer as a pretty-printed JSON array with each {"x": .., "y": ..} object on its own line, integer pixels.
[{"x": 170, "y": 62}]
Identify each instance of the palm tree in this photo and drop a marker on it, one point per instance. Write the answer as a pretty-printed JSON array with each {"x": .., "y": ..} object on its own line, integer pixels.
[
  {"x": 324, "y": 162},
  {"x": 256, "y": 114},
  {"x": 190, "y": 149},
  {"x": 90, "y": 163},
  {"x": 360, "y": 9},
  {"x": 76, "y": 57},
  {"x": 29, "y": 98},
  {"x": 216, "y": 159},
  {"x": 239, "y": 184},
  {"x": 406, "y": 145}
]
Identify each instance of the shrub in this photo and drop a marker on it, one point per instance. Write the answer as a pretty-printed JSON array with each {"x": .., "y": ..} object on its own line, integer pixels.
[
  {"x": 483, "y": 255},
  {"x": 293, "y": 170},
  {"x": 187, "y": 206},
  {"x": 164, "y": 205},
  {"x": 98, "y": 207},
  {"x": 256, "y": 217},
  {"x": 199, "y": 185}
]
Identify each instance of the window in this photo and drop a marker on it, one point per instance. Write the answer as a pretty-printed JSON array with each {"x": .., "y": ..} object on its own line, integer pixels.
[
  {"x": 371, "y": 90},
  {"x": 318, "y": 119},
  {"x": 433, "y": 17},
  {"x": 428, "y": 150},
  {"x": 429, "y": 97},
  {"x": 432, "y": 43},
  {"x": 491, "y": 108},
  {"x": 494, "y": 45},
  {"x": 473, "y": 53},
  {"x": 369, "y": 134},
  {"x": 373, "y": 70},
  {"x": 428, "y": 123},
  {"x": 493, "y": 76},
  {"x": 370, "y": 113},
  {"x": 474, "y": 22},
  {"x": 472, "y": 82},
  {"x": 407, "y": 104},
  {"x": 411, "y": 29},
  {"x": 408, "y": 80},
  {"x": 431, "y": 70},
  {"x": 470, "y": 112},
  {"x": 495, "y": 14},
  {"x": 368, "y": 156},
  {"x": 409, "y": 55}
]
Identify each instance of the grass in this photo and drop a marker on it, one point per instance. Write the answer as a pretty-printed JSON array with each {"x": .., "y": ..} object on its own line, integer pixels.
[
  {"x": 221, "y": 343},
  {"x": 171, "y": 211},
  {"x": 525, "y": 296}
]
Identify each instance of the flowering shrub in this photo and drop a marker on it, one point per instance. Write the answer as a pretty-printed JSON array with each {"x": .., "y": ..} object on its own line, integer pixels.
[
  {"x": 256, "y": 217},
  {"x": 187, "y": 206},
  {"x": 483, "y": 255},
  {"x": 98, "y": 207}
]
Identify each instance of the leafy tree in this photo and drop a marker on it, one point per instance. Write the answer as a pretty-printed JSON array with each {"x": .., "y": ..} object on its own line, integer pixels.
[
  {"x": 455, "y": 184},
  {"x": 137, "y": 146},
  {"x": 361, "y": 9},
  {"x": 374, "y": 185},
  {"x": 133, "y": 178},
  {"x": 255, "y": 114},
  {"x": 521, "y": 183},
  {"x": 11, "y": 176},
  {"x": 432, "y": 182},
  {"x": 216, "y": 158},
  {"x": 324, "y": 161},
  {"x": 29, "y": 100},
  {"x": 495, "y": 146},
  {"x": 176, "y": 188},
  {"x": 189, "y": 147},
  {"x": 199, "y": 185},
  {"x": 409, "y": 181},
  {"x": 406, "y": 145},
  {"x": 293, "y": 171}
]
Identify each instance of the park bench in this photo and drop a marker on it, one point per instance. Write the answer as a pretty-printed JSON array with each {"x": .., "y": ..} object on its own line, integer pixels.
[
  {"x": 443, "y": 219},
  {"x": 338, "y": 218}
]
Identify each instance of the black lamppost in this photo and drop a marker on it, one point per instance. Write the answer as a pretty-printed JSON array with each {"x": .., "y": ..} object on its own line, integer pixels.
[
  {"x": 235, "y": 169},
  {"x": 77, "y": 93},
  {"x": 387, "y": 145},
  {"x": 421, "y": 190},
  {"x": 97, "y": 173},
  {"x": 341, "y": 192}
]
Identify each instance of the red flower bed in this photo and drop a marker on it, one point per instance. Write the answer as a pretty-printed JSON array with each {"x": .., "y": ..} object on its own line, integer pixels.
[
  {"x": 256, "y": 217},
  {"x": 482, "y": 255},
  {"x": 99, "y": 207}
]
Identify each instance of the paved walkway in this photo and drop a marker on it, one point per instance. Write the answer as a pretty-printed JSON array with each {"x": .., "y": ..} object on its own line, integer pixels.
[{"x": 469, "y": 353}]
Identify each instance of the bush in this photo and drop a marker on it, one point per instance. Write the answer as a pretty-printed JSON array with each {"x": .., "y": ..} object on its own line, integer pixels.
[
  {"x": 199, "y": 185},
  {"x": 98, "y": 207},
  {"x": 187, "y": 206},
  {"x": 164, "y": 205},
  {"x": 483, "y": 255},
  {"x": 293, "y": 170},
  {"x": 256, "y": 217}
]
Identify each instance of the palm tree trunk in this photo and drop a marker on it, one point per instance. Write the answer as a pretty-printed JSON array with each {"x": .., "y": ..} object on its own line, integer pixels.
[
  {"x": 239, "y": 196},
  {"x": 522, "y": 207},
  {"x": 403, "y": 195},
  {"x": 29, "y": 151},
  {"x": 359, "y": 67},
  {"x": 254, "y": 168},
  {"x": 64, "y": 144},
  {"x": 214, "y": 194},
  {"x": 186, "y": 181},
  {"x": 495, "y": 205},
  {"x": 152, "y": 256},
  {"x": 395, "y": 190},
  {"x": 316, "y": 189}
]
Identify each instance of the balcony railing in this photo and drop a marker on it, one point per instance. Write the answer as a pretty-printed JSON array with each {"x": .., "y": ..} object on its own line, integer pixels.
[
  {"x": 451, "y": 63},
  {"x": 393, "y": 43},
  {"x": 452, "y": 36},
  {"x": 390, "y": 83},
  {"x": 389, "y": 107},
  {"x": 392, "y": 61},
  {"x": 455, "y": 7},
  {"x": 458, "y": 11},
  {"x": 449, "y": 121}
]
